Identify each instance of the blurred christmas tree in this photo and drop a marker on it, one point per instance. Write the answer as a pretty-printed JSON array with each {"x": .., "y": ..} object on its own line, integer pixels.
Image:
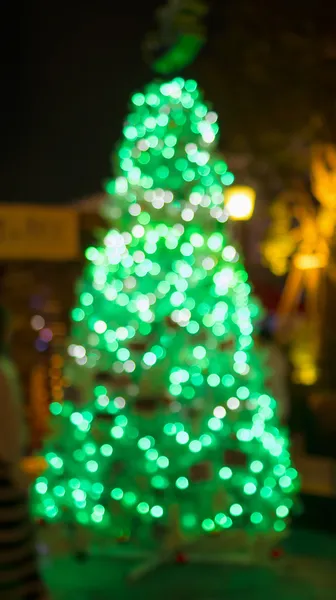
[{"x": 172, "y": 427}]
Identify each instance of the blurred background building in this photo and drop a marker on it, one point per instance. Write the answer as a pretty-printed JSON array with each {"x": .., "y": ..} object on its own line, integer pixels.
[{"x": 41, "y": 256}]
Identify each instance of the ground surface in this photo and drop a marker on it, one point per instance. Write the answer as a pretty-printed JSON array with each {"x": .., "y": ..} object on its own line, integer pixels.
[{"x": 307, "y": 573}]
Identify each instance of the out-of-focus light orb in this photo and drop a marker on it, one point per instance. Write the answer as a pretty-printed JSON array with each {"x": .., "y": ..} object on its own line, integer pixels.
[
  {"x": 37, "y": 322},
  {"x": 239, "y": 202}
]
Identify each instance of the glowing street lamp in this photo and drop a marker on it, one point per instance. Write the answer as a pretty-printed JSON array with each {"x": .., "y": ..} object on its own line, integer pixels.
[{"x": 239, "y": 202}]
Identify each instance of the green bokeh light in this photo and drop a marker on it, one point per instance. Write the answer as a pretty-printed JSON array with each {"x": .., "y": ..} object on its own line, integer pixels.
[{"x": 174, "y": 408}]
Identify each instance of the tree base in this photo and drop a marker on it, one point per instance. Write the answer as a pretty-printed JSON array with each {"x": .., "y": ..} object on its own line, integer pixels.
[{"x": 231, "y": 548}]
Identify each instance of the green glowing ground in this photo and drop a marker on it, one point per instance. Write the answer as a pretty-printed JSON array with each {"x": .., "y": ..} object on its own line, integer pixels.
[{"x": 309, "y": 575}]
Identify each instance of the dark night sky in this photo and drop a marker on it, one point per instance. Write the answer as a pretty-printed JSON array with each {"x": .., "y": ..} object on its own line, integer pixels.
[{"x": 68, "y": 69}]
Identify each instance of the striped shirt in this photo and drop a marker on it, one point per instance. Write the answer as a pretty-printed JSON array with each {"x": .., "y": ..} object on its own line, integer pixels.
[{"x": 19, "y": 576}]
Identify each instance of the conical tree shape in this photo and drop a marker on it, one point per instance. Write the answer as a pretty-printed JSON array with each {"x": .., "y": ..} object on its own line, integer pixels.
[{"x": 178, "y": 432}]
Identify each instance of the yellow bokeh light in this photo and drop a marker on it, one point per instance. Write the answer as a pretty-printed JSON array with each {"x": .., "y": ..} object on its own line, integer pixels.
[
  {"x": 304, "y": 262},
  {"x": 239, "y": 202}
]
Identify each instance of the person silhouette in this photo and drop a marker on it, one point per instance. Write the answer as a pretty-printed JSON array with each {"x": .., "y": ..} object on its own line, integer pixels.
[{"x": 19, "y": 574}]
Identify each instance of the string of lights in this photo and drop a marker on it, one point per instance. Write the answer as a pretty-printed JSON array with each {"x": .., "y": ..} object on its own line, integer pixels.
[{"x": 177, "y": 410}]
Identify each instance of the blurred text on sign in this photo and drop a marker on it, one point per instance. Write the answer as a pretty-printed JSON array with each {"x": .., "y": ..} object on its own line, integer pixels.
[{"x": 38, "y": 233}]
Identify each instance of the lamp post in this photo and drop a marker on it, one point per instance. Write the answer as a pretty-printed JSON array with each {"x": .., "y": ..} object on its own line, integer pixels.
[{"x": 239, "y": 201}]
